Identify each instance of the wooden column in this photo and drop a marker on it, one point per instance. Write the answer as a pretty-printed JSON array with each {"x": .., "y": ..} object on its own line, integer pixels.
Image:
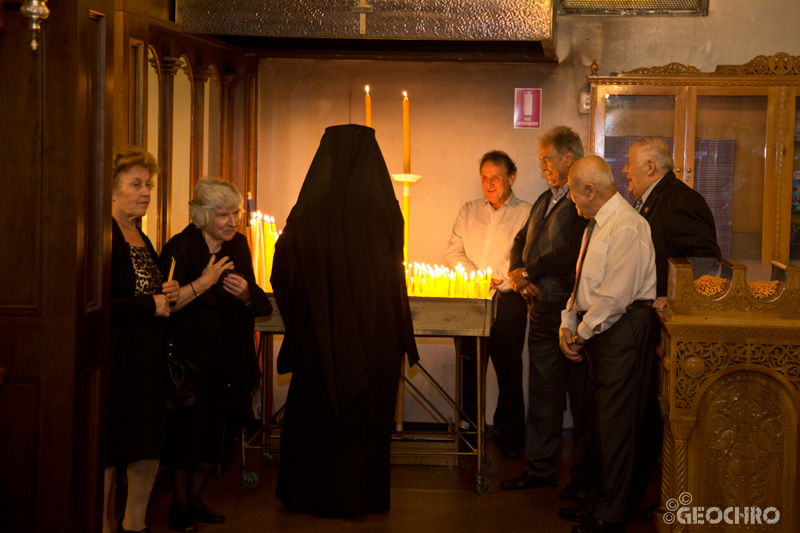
[
  {"x": 200, "y": 76},
  {"x": 667, "y": 458},
  {"x": 681, "y": 430},
  {"x": 169, "y": 67},
  {"x": 251, "y": 136},
  {"x": 227, "y": 82}
]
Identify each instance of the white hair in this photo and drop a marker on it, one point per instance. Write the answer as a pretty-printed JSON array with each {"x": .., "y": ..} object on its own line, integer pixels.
[
  {"x": 656, "y": 149},
  {"x": 212, "y": 193}
]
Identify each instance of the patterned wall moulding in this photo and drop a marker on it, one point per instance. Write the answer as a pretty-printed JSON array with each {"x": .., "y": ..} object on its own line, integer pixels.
[
  {"x": 780, "y": 64},
  {"x": 491, "y": 20},
  {"x": 633, "y": 7}
]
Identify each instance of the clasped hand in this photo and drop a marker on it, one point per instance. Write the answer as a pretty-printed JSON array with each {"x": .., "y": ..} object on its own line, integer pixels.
[
  {"x": 233, "y": 283},
  {"x": 520, "y": 284},
  {"x": 571, "y": 350}
]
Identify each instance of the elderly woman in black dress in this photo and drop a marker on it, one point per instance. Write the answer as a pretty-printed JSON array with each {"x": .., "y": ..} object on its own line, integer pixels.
[
  {"x": 212, "y": 327},
  {"x": 140, "y": 299}
]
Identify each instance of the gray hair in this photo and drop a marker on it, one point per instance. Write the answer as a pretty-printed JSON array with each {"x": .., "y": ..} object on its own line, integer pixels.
[
  {"x": 563, "y": 140},
  {"x": 656, "y": 149},
  {"x": 212, "y": 193}
]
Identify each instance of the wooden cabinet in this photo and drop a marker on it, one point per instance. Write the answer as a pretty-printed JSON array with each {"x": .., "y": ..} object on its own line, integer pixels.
[{"x": 733, "y": 138}]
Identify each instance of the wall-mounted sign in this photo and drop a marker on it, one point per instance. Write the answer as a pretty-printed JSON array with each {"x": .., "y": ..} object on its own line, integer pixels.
[{"x": 527, "y": 107}]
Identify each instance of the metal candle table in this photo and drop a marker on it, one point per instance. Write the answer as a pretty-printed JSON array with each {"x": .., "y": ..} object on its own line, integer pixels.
[{"x": 432, "y": 317}]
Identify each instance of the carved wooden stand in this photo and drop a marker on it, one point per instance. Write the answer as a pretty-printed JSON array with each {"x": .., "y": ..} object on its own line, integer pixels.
[{"x": 728, "y": 385}]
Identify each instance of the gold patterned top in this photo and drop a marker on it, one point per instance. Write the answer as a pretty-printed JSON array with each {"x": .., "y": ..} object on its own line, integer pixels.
[{"x": 148, "y": 276}]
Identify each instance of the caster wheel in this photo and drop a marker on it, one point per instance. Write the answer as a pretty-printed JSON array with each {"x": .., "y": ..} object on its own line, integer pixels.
[
  {"x": 488, "y": 463},
  {"x": 250, "y": 479},
  {"x": 483, "y": 486},
  {"x": 268, "y": 457}
]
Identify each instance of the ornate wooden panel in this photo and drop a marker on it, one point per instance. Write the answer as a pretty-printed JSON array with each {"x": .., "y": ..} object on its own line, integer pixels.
[
  {"x": 730, "y": 393},
  {"x": 746, "y": 445}
]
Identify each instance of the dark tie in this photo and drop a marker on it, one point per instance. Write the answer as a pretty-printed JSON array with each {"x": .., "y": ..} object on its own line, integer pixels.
[
  {"x": 638, "y": 204},
  {"x": 589, "y": 230}
]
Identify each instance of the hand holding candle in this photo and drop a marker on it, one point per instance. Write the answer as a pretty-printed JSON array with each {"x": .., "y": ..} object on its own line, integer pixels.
[{"x": 171, "y": 289}]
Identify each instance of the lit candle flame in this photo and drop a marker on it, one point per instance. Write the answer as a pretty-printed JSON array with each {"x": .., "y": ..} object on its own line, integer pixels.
[
  {"x": 367, "y": 89},
  {"x": 405, "y": 94}
]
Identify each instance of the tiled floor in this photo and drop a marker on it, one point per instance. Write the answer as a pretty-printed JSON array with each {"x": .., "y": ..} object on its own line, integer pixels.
[{"x": 424, "y": 499}]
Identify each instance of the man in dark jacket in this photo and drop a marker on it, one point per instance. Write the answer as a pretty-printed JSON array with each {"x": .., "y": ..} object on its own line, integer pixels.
[
  {"x": 681, "y": 225},
  {"x": 543, "y": 270},
  {"x": 681, "y": 222}
]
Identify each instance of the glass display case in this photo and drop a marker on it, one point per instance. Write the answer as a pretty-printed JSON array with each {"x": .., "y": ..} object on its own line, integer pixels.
[{"x": 734, "y": 135}]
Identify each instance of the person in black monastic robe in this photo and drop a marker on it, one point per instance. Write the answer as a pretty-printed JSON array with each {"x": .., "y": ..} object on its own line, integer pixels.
[{"x": 339, "y": 283}]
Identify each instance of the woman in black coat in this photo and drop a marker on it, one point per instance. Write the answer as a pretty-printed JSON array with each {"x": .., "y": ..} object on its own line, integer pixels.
[
  {"x": 136, "y": 415},
  {"x": 212, "y": 327}
]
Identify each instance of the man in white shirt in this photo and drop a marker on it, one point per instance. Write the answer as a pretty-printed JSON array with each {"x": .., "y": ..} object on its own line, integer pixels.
[
  {"x": 610, "y": 319},
  {"x": 482, "y": 236},
  {"x": 681, "y": 225}
]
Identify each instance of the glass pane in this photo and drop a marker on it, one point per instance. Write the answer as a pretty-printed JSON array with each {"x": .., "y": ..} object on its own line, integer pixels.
[
  {"x": 629, "y": 118},
  {"x": 730, "y": 154},
  {"x": 794, "y": 246},
  {"x": 150, "y": 220}
]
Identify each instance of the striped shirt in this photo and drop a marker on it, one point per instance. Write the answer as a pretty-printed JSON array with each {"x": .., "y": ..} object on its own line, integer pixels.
[
  {"x": 619, "y": 268},
  {"x": 482, "y": 236}
]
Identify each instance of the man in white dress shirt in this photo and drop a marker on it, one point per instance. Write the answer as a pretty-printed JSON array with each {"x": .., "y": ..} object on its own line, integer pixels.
[
  {"x": 610, "y": 319},
  {"x": 482, "y": 237}
]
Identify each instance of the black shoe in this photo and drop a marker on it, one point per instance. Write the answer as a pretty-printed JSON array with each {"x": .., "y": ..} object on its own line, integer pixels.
[
  {"x": 576, "y": 514},
  {"x": 204, "y": 514},
  {"x": 576, "y": 489},
  {"x": 121, "y": 529},
  {"x": 527, "y": 480},
  {"x": 599, "y": 526},
  {"x": 643, "y": 514},
  {"x": 510, "y": 450},
  {"x": 182, "y": 522}
]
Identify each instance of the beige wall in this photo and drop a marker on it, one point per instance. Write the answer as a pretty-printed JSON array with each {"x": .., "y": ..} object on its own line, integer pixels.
[{"x": 460, "y": 110}]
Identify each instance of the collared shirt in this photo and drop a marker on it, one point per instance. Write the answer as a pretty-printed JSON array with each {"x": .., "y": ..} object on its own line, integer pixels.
[
  {"x": 619, "y": 268},
  {"x": 482, "y": 236},
  {"x": 558, "y": 194},
  {"x": 648, "y": 191}
]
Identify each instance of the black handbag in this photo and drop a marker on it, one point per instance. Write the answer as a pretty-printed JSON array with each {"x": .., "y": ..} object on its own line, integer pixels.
[{"x": 180, "y": 380}]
